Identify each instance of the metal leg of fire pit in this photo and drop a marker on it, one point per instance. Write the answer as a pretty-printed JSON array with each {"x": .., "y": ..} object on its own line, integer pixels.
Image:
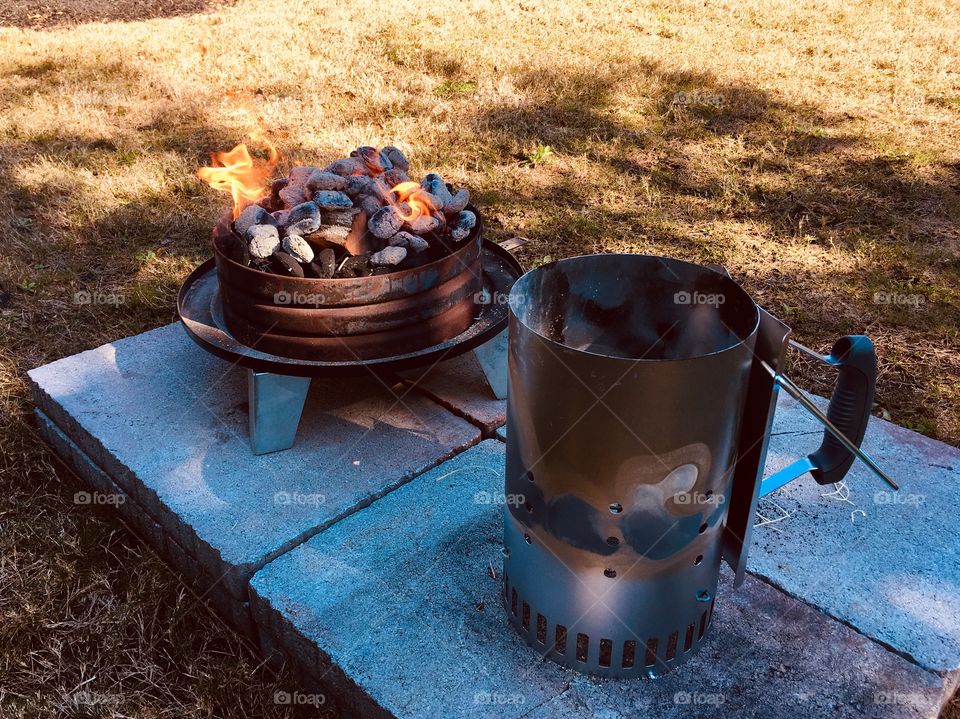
[
  {"x": 276, "y": 402},
  {"x": 492, "y": 357}
]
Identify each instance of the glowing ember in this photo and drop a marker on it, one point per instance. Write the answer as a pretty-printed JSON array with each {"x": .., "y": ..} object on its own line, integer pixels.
[{"x": 239, "y": 173}]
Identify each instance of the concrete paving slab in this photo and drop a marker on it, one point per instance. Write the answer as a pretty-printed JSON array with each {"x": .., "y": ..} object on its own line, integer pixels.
[
  {"x": 885, "y": 562},
  {"x": 460, "y": 385},
  {"x": 417, "y": 629},
  {"x": 103, "y": 491},
  {"x": 167, "y": 422}
]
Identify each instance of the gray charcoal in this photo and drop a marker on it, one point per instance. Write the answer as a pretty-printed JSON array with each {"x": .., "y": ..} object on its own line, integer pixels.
[
  {"x": 370, "y": 205},
  {"x": 435, "y": 185},
  {"x": 293, "y": 195},
  {"x": 370, "y": 157},
  {"x": 424, "y": 224},
  {"x": 331, "y": 233},
  {"x": 356, "y": 185},
  {"x": 417, "y": 244},
  {"x": 397, "y": 158},
  {"x": 321, "y": 180},
  {"x": 300, "y": 175},
  {"x": 394, "y": 177},
  {"x": 379, "y": 189},
  {"x": 284, "y": 264},
  {"x": 303, "y": 219},
  {"x": 327, "y": 259},
  {"x": 458, "y": 202},
  {"x": 347, "y": 166},
  {"x": 385, "y": 162},
  {"x": 280, "y": 217},
  {"x": 344, "y": 218},
  {"x": 332, "y": 200},
  {"x": 461, "y": 227},
  {"x": 252, "y": 215},
  {"x": 298, "y": 248},
  {"x": 388, "y": 256},
  {"x": 263, "y": 240},
  {"x": 385, "y": 223}
]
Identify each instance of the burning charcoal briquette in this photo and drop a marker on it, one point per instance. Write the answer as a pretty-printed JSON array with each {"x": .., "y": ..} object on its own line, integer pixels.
[
  {"x": 284, "y": 264},
  {"x": 344, "y": 218},
  {"x": 300, "y": 175},
  {"x": 385, "y": 162},
  {"x": 293, "y": 195},
  {"x": 252, "y": 215},
  {"x": 385, "y": 222},
  {"x": 435, "y": 185},
  {"x": 275, "y": 201},
  {"x": 388, "y": 256},
  {"x": 397, "y": 158},
  {"x": 413, "y": 243},
  {"x": 337, "y": 234},
  {"x": 298, "y": 248},
  {"x": 394, "y": 177},
  {"x": 381, "y": 190},
  {"x": 370, "y": 204},
  {"x": 458, "y": 202},
  {"x": 356, "y": 185},
  {"x": 464, "y": 222},
  {"x": 327, "y": 259},
  {"x": 331, "y": 200},
  {"x": 321, "y": 180},
  {"x": 370, "y": 157},
  {"x": 424, "y": 223},
  {"x": 346, "y": 167},
  {"x": 263, "y": 240},
  {"x": 303, "y": 219}
]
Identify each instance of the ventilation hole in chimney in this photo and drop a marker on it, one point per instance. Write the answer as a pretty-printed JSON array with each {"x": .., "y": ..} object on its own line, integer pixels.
[
  {"x": 629, "y": 653},
  {"x": 541, "y": 628},
  {"x": 710, "y": 610},
  {"x": 513, "y": 601},
  {"x": 606, "y": 652},
  {"x": 672, "y": 646},
  {"x": 505, "y": 552},
  {"x": 703, "y": 528},
  {"x": 560, "y": 639},
  {"x": 529, "y": 476},
  {"x": 526, "y": 538},
  {"x": 703, "y": 596},
  {"x": 650, "y": 656},
  {"x": 528, "y": 507},
  {"x": 703, "y": 625},
  {"x": 613, "y": 541},
  {"x": 688, "y": 640},
  {"x": 506, "y": 585},
  {"x": 525, "y": 616},
  {"x": 696, "y": 562},
  {"x": 616, "y": 508},
  {"x": 611, "y": 573},
  {"x": 583, "y": 647}
]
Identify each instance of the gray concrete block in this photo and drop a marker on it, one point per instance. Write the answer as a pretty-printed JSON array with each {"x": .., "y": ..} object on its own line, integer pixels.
[
  {"x": 460, "y": 385},
  {"x": 236, "y": 612},
  {"x": 885, "y": 562},
  {"x": 168, "y": 423},
  {"x": 416, "y": 627}
]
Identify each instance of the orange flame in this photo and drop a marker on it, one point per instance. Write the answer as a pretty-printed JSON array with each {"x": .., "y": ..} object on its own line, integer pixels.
[
  {"x": 416, "y": 198},
  {"x": 240, "y": 174}
]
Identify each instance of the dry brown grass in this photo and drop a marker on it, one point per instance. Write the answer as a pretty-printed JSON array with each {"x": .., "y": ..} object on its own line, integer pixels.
[{"x": 814, "y": 152}]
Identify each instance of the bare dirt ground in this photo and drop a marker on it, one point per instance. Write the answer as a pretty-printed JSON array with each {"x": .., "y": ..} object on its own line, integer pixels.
[{"x": 812, "y": 146}]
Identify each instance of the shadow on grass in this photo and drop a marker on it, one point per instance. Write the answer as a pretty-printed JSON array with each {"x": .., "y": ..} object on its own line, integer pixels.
[{"x": 30, "y": 14}]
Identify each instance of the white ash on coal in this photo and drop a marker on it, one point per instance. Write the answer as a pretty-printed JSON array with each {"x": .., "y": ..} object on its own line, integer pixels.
[{"x": 356, "y": 216}]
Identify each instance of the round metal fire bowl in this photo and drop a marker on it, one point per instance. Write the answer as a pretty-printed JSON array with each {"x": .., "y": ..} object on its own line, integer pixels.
[{"x": 201, "y": 311}]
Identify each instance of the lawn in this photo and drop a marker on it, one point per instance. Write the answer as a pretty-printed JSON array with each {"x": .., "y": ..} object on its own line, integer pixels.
[{"x": 811, "y": 146}]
